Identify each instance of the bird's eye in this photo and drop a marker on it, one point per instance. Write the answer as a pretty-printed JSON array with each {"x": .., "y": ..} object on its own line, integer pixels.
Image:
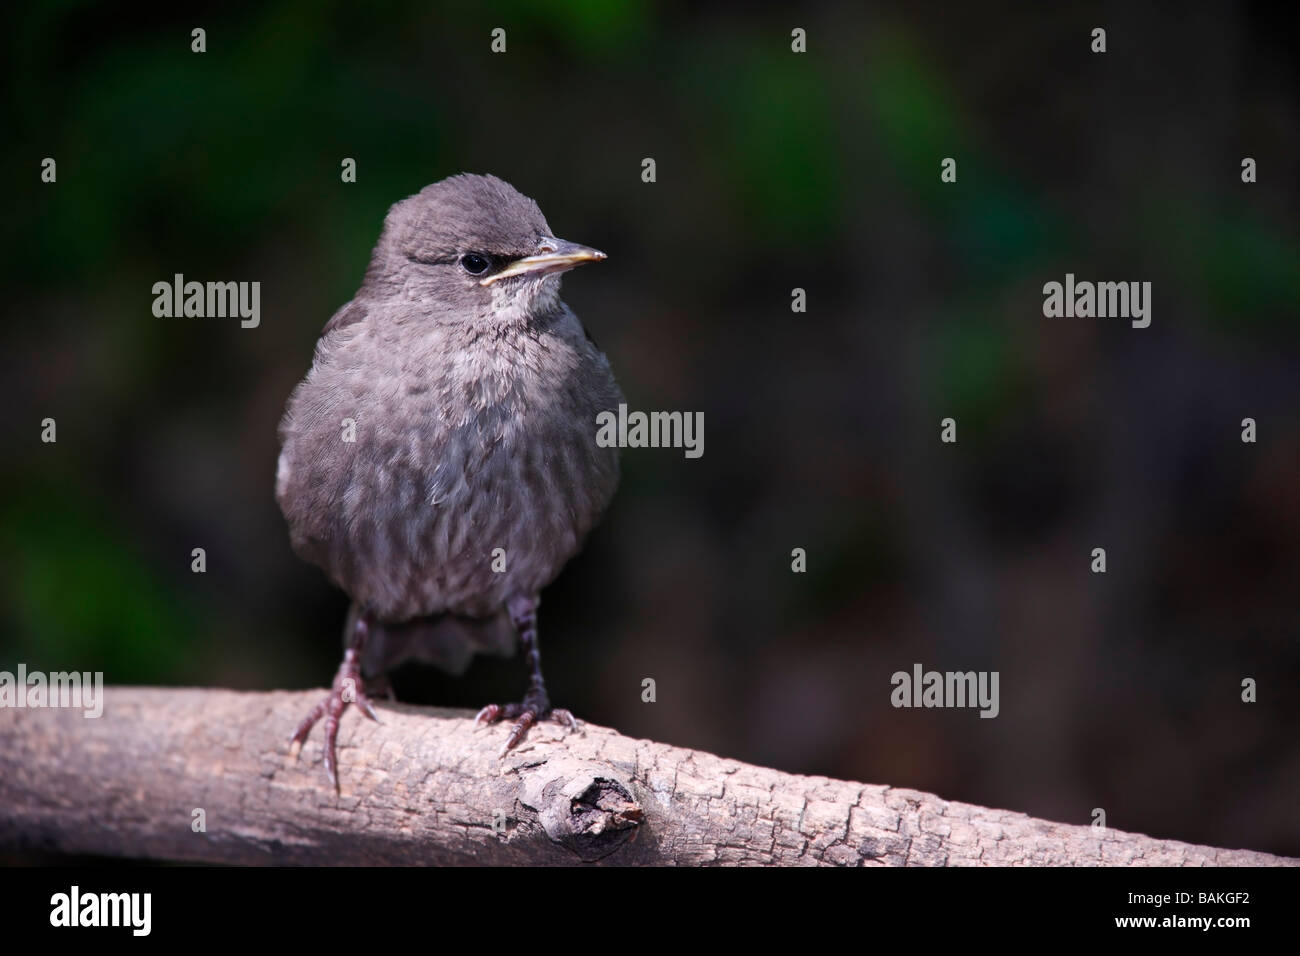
[{"x": 474, "y": 264}]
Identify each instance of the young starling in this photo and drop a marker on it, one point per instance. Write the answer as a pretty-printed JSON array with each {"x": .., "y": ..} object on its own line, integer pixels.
[{"x": 440, "y": 462}]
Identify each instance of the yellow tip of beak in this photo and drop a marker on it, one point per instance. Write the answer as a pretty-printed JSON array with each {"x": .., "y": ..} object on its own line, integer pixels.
[{"x": 557, "y": 256}]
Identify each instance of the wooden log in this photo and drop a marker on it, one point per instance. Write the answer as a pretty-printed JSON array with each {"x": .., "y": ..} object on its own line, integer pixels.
[{"x": 427, "y": 787}]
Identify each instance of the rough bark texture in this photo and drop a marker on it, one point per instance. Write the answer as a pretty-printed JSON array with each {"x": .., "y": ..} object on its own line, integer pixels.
[{"x": 426, "y": 787}]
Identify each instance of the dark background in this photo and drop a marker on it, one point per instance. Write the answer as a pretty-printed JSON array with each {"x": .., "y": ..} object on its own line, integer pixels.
[{"x": 775, "y": 170}]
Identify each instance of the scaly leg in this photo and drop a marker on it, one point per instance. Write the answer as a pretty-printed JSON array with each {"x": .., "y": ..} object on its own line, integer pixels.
[
  {"x": 536, "y": 705},
  {"x": 347, "y": 689}
]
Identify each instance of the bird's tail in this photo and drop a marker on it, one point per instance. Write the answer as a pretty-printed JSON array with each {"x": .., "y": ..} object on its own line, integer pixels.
[{"x": 448, "y": 641}]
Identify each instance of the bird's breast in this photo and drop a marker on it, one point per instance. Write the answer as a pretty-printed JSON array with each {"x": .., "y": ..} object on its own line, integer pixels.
[{"x": 468, "y": 480}]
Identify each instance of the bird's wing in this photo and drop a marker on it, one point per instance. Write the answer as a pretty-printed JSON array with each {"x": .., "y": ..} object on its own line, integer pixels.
[{"x": 351, "y": 313}]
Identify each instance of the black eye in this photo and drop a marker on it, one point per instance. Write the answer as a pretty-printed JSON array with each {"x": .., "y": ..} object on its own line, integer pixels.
[{"x": 474, "y": 264}]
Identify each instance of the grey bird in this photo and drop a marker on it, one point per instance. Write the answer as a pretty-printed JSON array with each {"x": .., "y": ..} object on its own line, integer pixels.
[{"x": 440, "y": 462}]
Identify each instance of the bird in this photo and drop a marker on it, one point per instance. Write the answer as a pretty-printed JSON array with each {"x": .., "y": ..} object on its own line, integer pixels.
[{"x": 440, "y": 461}]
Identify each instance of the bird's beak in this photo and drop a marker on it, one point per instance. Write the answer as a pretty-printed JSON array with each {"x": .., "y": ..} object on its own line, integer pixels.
[{"x": 553, "y": 255}]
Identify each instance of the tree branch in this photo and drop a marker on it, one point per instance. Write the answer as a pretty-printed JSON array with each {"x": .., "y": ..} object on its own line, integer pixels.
[{"x": 426, "y": 787}]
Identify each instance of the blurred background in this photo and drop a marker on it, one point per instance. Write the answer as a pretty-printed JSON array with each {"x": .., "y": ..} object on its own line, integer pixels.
[{"x": 775, "y": 171}]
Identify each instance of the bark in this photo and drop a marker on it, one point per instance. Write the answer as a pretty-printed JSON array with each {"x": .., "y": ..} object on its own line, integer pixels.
[{"x": 426, "y": 787}]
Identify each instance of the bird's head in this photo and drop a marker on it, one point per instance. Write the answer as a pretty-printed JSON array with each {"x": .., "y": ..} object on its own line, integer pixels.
[{"x": 476, "y": 248}]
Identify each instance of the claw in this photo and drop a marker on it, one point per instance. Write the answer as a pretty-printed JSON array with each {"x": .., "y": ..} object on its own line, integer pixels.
[
  {"x": 526, "y": 720},
  {"x": 525, "y": 716},
  {"x": 331, "y": 742},
  {"x": 367, "y": 708}
]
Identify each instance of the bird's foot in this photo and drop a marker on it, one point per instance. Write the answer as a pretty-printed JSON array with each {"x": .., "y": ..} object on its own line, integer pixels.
[
  {"x": 347, "y": 689},
  {"x": 526, "y": 713}
]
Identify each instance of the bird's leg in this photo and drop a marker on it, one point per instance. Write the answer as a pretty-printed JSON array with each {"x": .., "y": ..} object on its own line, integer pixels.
[
  {"x": 347, "y": 689},
  {"x": 536, "y": 704}
]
